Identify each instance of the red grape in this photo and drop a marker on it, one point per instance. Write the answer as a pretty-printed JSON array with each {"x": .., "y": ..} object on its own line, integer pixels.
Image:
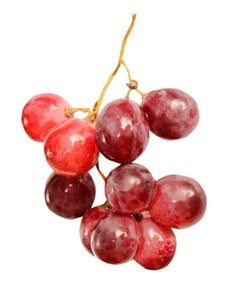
[
  {"x": 41, "y": 113},
  {"x": 115, "y": 238},
  {"x": 70, "y": 148},
  {"x": 157, "y": 245},
  {"x": 89, "y": 221},
  {"x": 171, "y": 113},
  {"x": 130, "y": 188},
  {"x": 179, "y": 201},
  {"x": 69, "y": 197},
  {"x": 122, "y": 131}
]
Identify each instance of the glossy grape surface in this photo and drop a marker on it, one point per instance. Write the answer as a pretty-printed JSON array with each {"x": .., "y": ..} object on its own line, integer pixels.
[
  {"x": 88, "y": 223},
  {"x": 172, "y": 114},
  {"x": 115, "y": 238},
  {"x": 130, "y": 188},
  {"x": 179, "y": 201},
  {"x": 41, "y": 113},
  {"x": 70, "y": 148},
  {"x": 69, "y": 197},
  {"x": 157, "y": 245},
  {"x": 122, "y": 131}
]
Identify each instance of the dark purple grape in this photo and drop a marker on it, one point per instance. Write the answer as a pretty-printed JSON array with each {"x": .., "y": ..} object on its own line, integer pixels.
[
  {"x": 122, "y": 131},
  {"x": 130, "y": 188},
  {"x": 69, "y": 197},
  {"x": 172, "y": 114}
]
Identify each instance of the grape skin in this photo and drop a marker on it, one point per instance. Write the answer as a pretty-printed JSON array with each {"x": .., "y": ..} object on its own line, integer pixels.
[
  {"x": 70, "y": 148},
  {"x": 171, "y": 113},
  {"x": 157, "y": 245},
  {"x": 89, "y": 222},
  {"x": 179, "y": 202},
  {"x": 122, "y": 131},
  {"x": 41, "y": 113},
  {"x": 69, "y": 197},
  {"x": 130, "y": 188},
  {"x": 115, "y": 238}
]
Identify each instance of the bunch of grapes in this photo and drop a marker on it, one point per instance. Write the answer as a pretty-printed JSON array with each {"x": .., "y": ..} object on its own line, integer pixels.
[{"x": 136, "y": 222}]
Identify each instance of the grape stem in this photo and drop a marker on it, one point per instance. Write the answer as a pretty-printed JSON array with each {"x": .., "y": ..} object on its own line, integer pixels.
[
  {"x": 132, "y": 84},
  {"x": 69, "y": 112},
  {"x": 98, "y": 103},
  {"x": 100, "y": 172}
]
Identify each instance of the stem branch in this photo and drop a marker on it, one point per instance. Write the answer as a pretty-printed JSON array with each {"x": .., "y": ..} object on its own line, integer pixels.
[{"x": 98, "y": 103}]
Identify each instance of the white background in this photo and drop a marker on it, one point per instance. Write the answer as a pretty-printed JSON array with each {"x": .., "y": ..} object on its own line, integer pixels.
[{"x": 70, "y": 48}]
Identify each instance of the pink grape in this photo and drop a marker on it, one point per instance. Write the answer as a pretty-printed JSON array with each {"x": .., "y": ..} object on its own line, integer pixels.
[
  {"x": 157, "y": 245},
  {"x": 130, "y": 188},
  {"x": 70, "y": 148},
  {"x": 69, "y": 197},
  {"x": 89, "y": 222},
  {"x": 115, "y": 238},
  {"x": 122, "y": 131},
  {"x": 171, "y": 113},
  {"x": 41, "y": 113},
  {"x": 179, "y": 202}
]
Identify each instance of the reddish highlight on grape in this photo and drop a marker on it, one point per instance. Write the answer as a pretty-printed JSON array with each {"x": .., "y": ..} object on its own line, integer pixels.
[
  {"x": 41, "y": 113},
  {"x": 70, "y": 148}
]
